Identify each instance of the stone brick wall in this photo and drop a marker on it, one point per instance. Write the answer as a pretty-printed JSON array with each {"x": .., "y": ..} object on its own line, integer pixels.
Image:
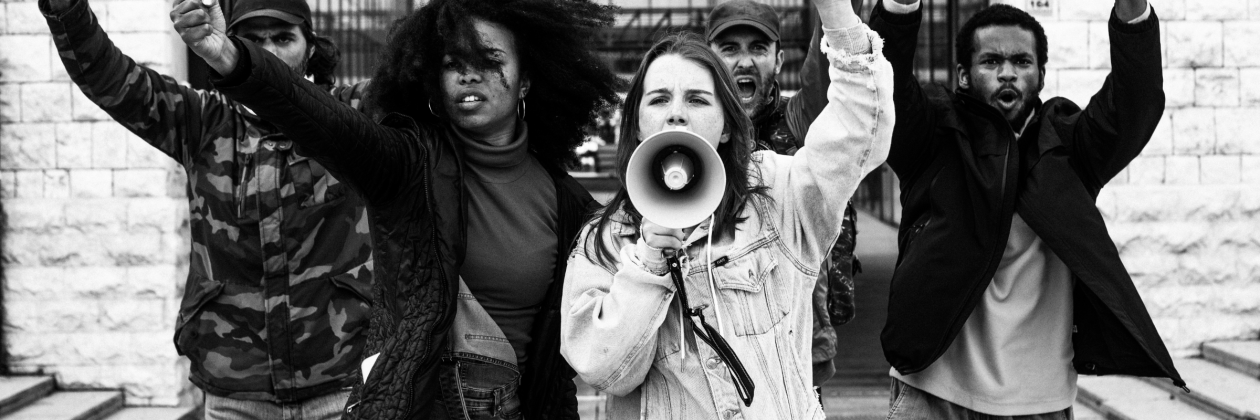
[
  {"x": 1186, "y": 213},
  {"x": 96, "y": 253}
]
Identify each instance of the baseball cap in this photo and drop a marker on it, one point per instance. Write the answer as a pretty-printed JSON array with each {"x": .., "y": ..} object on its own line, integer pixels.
[
  {"x": 292, "y": 11},
  {"x": 743, "y": 12}
]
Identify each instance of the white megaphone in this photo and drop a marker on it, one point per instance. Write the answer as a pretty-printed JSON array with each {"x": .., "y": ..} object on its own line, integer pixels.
[{"x": 675, "y": 178}]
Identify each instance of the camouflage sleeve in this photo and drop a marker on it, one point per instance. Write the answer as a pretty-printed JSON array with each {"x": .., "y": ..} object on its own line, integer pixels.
[
  {"x": 151, "y": 105},
  {"x": 351, "y": 145}
]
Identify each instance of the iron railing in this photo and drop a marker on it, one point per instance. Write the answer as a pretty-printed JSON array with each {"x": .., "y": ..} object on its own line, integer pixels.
[
  {"x": 880, "y": 192},
  {"x": 359, "y": 28},
  {"x": 640, "y": 23}
]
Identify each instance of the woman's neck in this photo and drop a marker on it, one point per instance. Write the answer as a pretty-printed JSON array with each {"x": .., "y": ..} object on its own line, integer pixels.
[{"x": 496, "y": 136}]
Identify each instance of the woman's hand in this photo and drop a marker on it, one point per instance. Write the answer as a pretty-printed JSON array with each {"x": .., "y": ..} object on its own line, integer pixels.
[
  {"x": 201, "y": 25},
  {"x": 654, "y": 241}
]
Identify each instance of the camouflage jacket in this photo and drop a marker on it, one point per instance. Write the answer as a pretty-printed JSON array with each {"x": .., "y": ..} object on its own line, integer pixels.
[
  {"x": 833, "y": 294},
  {"x": 275, "y": 305}
]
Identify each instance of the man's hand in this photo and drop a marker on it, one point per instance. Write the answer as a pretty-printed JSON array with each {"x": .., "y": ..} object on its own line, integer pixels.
[
  {"x": 201, "y": 25},
  {"x": 1128, "y": 10}
]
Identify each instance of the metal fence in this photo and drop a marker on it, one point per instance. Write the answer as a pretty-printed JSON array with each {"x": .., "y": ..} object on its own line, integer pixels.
[
  {"x": 640, "y": 24},
  {"x": 880, "y": 192},
  {"x": 359, "y": 28}
]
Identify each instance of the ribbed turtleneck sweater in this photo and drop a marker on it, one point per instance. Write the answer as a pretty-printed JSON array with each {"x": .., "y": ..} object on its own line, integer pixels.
[{"x": 512, "y": 218}]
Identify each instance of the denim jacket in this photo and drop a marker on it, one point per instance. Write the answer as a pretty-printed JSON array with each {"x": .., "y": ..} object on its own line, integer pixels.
[{"x": 621, "y": 326}]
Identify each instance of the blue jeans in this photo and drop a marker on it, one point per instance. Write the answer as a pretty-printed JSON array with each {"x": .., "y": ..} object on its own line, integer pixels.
[
  {"x": 324, "y": 407},
  {"x": 910, "y": 403}
]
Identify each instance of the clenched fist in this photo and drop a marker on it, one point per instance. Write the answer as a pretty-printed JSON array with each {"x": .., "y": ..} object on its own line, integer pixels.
[{"x": 201, "y": 25}]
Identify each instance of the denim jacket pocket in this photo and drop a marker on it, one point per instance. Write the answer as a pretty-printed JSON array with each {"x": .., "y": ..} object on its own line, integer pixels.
[{"x": 752, "y": 302}]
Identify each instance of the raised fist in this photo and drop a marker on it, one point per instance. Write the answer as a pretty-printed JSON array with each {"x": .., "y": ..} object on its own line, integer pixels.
[{"x": 201, "y": 25}]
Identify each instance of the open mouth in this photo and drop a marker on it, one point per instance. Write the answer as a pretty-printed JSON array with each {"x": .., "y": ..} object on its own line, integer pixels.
[
  {"x": 1007, "y": 97},
  {"x": 746, "y": 87},
  {"x": 469, "y": 101}
]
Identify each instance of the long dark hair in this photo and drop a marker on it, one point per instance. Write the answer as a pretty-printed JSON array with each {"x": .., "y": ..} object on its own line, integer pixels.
[
  {"x": 569, "y": 83},
  {"x": 741, "y": 184},
  {"x": 324, "y": 60}
]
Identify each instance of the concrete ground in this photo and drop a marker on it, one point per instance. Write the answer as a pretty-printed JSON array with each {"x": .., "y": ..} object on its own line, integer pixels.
[{"x": 859, "y": 391}]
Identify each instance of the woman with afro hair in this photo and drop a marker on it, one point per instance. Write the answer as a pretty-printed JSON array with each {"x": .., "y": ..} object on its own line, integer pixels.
[{"x": 482, "y": 103}]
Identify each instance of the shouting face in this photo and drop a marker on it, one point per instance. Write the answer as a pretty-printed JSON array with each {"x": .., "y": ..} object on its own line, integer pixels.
[
  {"x": 1004, "y": 71},
  {"x": 754, "y": 60}
]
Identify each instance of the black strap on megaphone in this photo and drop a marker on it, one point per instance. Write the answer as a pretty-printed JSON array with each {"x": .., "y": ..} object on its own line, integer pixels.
[{"x": 710, "y": 336}]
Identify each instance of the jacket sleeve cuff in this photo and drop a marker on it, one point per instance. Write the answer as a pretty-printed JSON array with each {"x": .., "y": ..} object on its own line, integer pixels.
[
  {"x": 1148, "y": 21},
  {"x": 75, "y": 16},
  {"x": 244, "y": 65},
  {"x": 852, "y": 39},
  {"x": 846, "y": 59},
  {"x": 1146, "y": 13},
  {"x": 649, "y": 259}
]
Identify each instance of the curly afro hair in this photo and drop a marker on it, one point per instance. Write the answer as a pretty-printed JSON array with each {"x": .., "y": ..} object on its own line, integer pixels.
[{"x": 569, "y": 83}]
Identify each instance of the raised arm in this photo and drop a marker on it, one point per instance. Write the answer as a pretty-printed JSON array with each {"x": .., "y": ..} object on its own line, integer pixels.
[
  {"x": 898, "y": 24},
  {"x": 167, "y": 115},
  {"x": 377, "y": 159},
  {"x": 610, "y": 320},
  {"x": 848, "y": 140},
  {"x": 805, "y": 106},
  {"x": 1122, "y": 116}
]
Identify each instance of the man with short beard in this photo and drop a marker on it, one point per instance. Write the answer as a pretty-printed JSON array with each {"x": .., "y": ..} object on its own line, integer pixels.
[
  {"x": 746, "y": 35},
  {"x": 275, "y": 311},
  {"x": 1008, "y": 284}
]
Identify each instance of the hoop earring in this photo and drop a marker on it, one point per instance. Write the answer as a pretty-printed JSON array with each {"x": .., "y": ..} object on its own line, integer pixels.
[
  {"x": 520, "y": 109},
  {"x": 430, "y": 102}
]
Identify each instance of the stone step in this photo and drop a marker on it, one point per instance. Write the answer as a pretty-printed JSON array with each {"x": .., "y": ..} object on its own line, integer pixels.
[
  {"x": 71, "y": 405},
  {"x": 871, "y": 403},
  {"x": 1080, "y": 411},
  {"x": 19, "y": 391},
  {"x": 1216, "y": 389},
  {"x": 157, "y": 413},
  {"x": 1242, "y": 356},
  {"x": 1129, "y": 398}
]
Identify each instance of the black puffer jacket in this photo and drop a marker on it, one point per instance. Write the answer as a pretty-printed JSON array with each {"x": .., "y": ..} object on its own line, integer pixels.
[{"x": 412, "y": 178}]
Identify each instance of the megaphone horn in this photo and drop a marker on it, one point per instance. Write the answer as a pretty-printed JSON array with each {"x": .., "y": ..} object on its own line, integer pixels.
[{"x": 675, "y": 178}]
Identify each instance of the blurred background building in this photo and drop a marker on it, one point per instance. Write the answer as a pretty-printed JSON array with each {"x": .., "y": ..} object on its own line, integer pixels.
[{"x": 95, "y": 247}]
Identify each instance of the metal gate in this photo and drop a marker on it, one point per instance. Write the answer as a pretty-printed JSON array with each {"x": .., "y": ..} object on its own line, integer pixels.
[
  {"x": 359, "y": 28},
  {"x": 880, "y": 192}
]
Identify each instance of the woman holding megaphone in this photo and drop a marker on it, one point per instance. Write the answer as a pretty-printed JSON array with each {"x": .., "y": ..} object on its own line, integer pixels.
[{"x": 688, "y": 296}]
